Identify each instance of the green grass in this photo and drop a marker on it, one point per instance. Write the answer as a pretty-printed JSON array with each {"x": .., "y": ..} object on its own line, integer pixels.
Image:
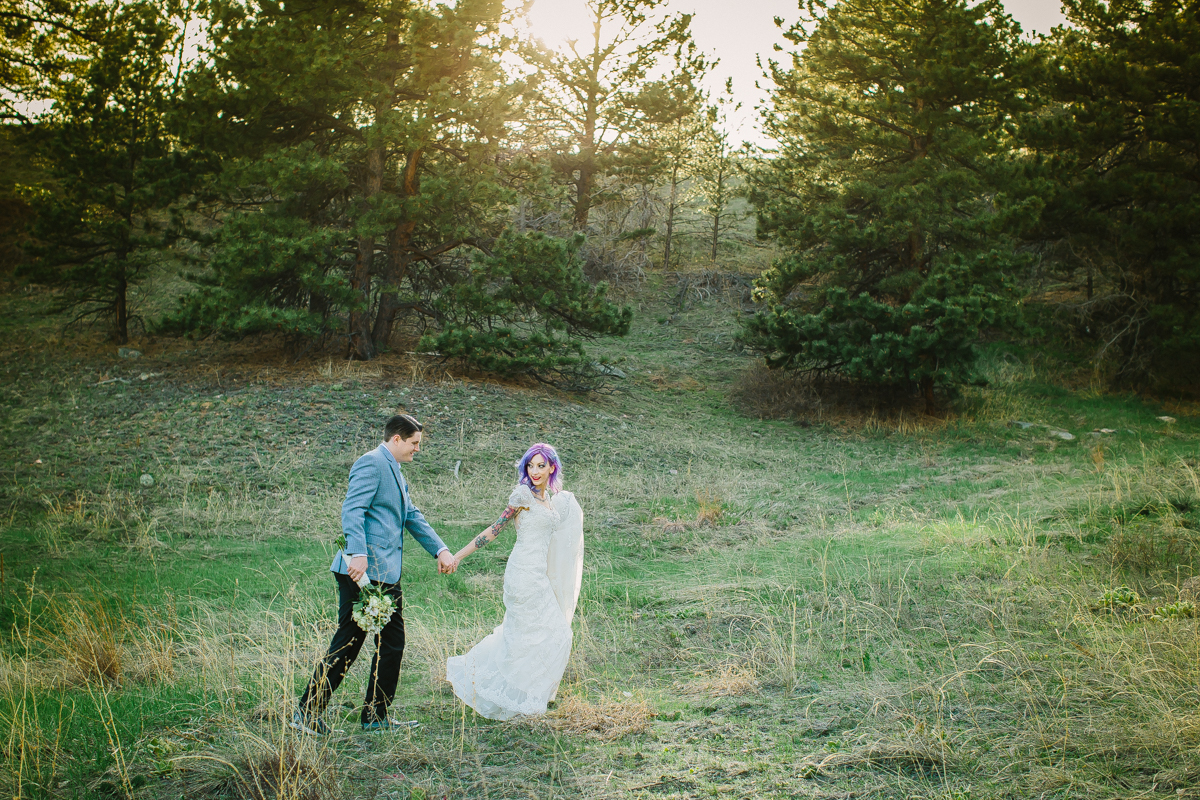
[{"x": 892, "y": 606}]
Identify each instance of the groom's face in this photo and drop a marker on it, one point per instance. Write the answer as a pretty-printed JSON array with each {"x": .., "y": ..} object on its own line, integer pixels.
[{"x": 403, "y": 450}]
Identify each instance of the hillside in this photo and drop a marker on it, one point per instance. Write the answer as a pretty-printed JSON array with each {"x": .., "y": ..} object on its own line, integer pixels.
[{"x": 824, "y": 605}]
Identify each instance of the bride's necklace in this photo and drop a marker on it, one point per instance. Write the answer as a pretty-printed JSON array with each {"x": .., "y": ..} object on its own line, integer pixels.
[{"x": 541, "y": 496}]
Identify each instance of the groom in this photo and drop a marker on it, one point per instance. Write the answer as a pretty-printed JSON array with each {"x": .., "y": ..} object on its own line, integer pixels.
[{"x": 375, "y": 514}]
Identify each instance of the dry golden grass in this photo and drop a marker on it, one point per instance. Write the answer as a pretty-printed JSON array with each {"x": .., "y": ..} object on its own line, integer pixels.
[
  {"x": 708, "y": 514},
  {"x": 605, "y": 720},
  {"x": 664, "y": 382},
  {"x": 347, "y": 370},
  {"x": 85, "y": 516},
  {"x": 84, "y": 638},
  {"x": 430, "y": 643},
  {"x": 32, "y": 747},
  {"x": 278, "y": 764},
  {"x": 672, "y": 525},
  {"x": 879, "y": 754},
  {"x": 728, "y": 681},
  {"x": 710, "y": 509}
]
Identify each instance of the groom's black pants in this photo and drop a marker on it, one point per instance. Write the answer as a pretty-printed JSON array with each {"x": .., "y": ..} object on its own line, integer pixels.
[{"x": 343, "y": 650}]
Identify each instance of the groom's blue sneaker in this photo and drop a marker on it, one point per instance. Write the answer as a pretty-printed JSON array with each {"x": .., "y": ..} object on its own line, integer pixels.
[
  {"x": 310, "y": 724},
  {"x": 390, "y": 724}
]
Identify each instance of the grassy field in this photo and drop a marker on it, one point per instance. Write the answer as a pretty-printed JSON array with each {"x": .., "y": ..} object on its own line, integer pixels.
[{"x": 828, "y": 605}]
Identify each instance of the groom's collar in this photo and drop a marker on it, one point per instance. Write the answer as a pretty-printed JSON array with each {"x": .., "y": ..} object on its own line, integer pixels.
[{"x": 389, "y": 455}]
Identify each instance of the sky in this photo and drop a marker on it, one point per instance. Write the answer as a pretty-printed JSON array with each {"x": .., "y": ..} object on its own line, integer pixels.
[{"x": 736, "y": 31}]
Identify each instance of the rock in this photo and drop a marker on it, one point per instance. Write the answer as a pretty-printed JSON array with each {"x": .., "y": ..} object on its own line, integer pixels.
[
  {"x": 1189, "y": 590},
  {"x": 1104, "y": 430},
  {"x": 1066, "y": 437},
  {"x": 128, "y": 352},
  {"x": 608, "y": 369},
  {"x": 1168, "y": 420},
  {"x": 1022, "y": 425},
  {"x": 147, "y": 479}
]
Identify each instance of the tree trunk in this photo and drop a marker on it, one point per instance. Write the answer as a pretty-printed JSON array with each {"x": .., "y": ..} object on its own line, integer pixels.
[
  {"x": 583, "y": 193},
  {"x": 927, "y": 393},
  {"x": 318, "y": 304},
  {"x": 715, "y": 238},
  {"x": 389, "y": 294},
  {"x": 587, "y": 144},
  {"x": 121, "y": 309},
  {"x": 916, "y": 244},
  {"x": 916, "y": 239},
  {"x": 362, "y": 344},
  {"x": 671, "y": 216},
  {"x": 398, "y": 260},
  {"x": 362, "y": 340},
  {"x": 718, "y": 207}
]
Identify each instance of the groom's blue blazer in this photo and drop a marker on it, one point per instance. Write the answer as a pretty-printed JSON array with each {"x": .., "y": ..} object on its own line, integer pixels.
[{"x": 375, "y": 513}]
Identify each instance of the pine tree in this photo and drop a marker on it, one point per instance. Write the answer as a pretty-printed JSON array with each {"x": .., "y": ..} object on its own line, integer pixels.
[
  {"x": 524, "y": 309},
  {"x": 359, "y": 145},
  {"x": 102, "y": 222},
  {"x": 39, "y": 39},
  {"x": 364, "y": 163},
  {"x": 886, "y": 194},
  {"x": 715, "y": 168},
  {"x": 665, "y": 154},
  {"x": 591, "y": 96},
  {"x": 1119, "y": 143}
]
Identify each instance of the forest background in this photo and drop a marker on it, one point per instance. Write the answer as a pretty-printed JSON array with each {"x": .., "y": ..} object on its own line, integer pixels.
[{"x": 884, "y": 424}]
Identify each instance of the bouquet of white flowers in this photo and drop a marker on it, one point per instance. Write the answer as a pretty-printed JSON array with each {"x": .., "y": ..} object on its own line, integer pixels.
[{"x": 374, "y": 609}]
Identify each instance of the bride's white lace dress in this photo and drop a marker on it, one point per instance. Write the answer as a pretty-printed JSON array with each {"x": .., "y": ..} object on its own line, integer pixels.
[{"x": 516, "y": 669}]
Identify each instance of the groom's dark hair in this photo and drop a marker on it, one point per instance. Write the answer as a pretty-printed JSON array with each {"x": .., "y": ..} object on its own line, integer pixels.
[{"x": 402, "y": 425}]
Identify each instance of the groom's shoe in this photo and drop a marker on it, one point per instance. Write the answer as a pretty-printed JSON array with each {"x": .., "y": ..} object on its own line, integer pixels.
[
  {"x": 310, "y": 724},
  {"x": 390, "y": 724}
]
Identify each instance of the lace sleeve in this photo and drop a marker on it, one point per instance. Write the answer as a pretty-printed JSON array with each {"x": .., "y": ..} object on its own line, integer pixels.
[{"x": 521, "y": 497}]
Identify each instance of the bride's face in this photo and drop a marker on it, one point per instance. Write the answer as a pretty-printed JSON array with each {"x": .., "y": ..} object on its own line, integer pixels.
[{"x": 538, "y": 471}]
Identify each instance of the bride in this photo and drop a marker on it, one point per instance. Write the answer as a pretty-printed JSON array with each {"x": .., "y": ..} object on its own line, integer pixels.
[{"x": 516, "y": 669}]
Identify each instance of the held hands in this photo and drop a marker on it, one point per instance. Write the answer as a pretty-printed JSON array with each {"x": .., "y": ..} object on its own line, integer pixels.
[
  {"x": 446, "y": 562},
  {"x": 358, "y": 565}
]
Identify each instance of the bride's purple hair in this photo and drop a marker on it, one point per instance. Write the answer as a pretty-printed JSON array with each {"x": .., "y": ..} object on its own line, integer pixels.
[{"x": 551, "y": 455}]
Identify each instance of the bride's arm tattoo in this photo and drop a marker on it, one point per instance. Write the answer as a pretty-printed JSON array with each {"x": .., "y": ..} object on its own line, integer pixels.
[{"x": 509, "y": 514}]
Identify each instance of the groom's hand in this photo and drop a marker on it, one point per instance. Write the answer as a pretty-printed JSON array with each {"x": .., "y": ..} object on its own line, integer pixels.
[
  {"x": 446, "y": 562},
  {"x": 356, "y": 568}
]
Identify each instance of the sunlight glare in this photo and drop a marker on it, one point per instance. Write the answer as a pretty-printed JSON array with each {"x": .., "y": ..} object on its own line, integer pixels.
[{"x": 556, "y": 22}]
